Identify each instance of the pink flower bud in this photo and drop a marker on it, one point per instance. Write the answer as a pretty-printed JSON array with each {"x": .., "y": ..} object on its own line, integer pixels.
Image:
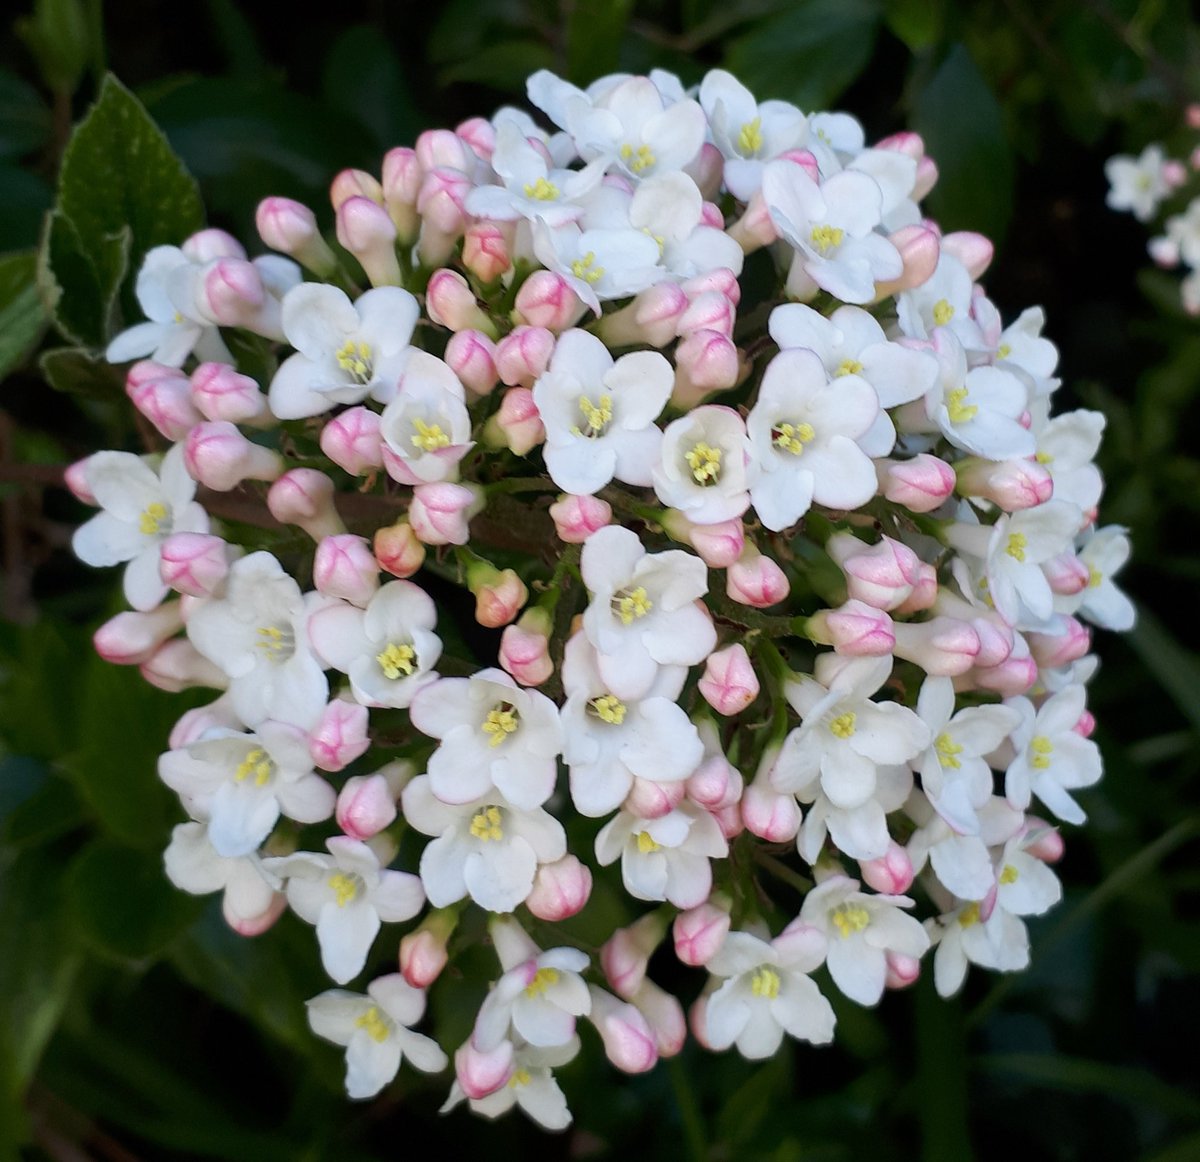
[
  {"x": 439, "y": 513},
  {"x": 401, "y": 184},
  {"x": 1067, "y": 574},
  {"x": 352, "y": 440},
  {"x": 253, "y": 924},
  {"x": 664, "y": 1015},
  {"x": 365, "y": 229},
  {"x": 729, "y": 683},
  {"x": 340, "y": 736},
  {"x": 653, "y": 800},
  {"x": 193, "y": 563},
  {"x": 715, "y": 784},
  {"x": 1070, "y": 643},
  {"x": 729, "y": 820},
  {"x": 577, "y": 517},
  {"x": 920, "y": 484},
  {"x": 291, "y": 228},
  {"x": 629, "y": 1042},
  {"x": 177, "y": 665},
  {"x": 517, "y": 425},
  {"x": 451, "y": 303},
  {"x": 423, "y": 955},
  {"x": 706, "y": 168},
  {"x": 1047, "y": 844},
  {"x": 221, "y": 393},
  {"x": 482, "y": 1073},
  {"x": 1174, "y": 173},
  {"x": 995, "y": 639},
  {"x": 710, "y": 215},
  {"x": 924, "y": 592},
  {"x": 440, "y": 200},
  {"x": 304, "y": 497},
  {"x": 1163, "y": 250},
  {"x": 166, "y": 401},
  {"x": 398, "y": 550},
  {"x": 471, "y": 355},
  {"x": 131, "y": 638},
  {"x": 902, "y": 970},
  {"x": 705, "y": 361},
  {"x": 365, "y": 806},
  {"x": 906, "y": 142},
  {"x": 652, "y": 318},
  {"x": 973, "y": 250},
  {"x": 755, "y": 228},
  {"x": 1011, "y": 484},
  {"x": 627, "y": 952},
  {"x": 231, "y": 293},
  {"x": 942, "y": 646},
  {"x": 208, "y": 245},
  {"x": 525, "y": 649},
  {"x": 523, "y": 354},
  {"x": 499, "y": 595},
  {"x": 1086, "y": 725},
  {"x": 756, "y": 580},
  {"x": 560, "y": 889},
  {"x": 927, "y": 176},
  {"x": 710, "y": 311},
  {"x": 699, "y": 933},
  {"x": 75, "y": 478},
  {"x": 354, "y": 183},
  {"x": 855, "y": 629},
  {"x": 919, "y": 248},
  {"x": 720, "y": 278},
  {"x": 547, "y": 300},
  {"x": 806, "y": 160},
  {"x": 345, "y": 567},
  {"x": 768, "y": 814},
  {"x": 881, "y": 575},
  {"x": 443, "y": 147},
  {"x": 1015, "y": 675},
  {"x": 486, "y": 250},
  {"x": 220, "y": 457},
  {"x": 479, "y": 134},
  {"x": 891, "y": 873},
  {"x": 718, "y": 545}
]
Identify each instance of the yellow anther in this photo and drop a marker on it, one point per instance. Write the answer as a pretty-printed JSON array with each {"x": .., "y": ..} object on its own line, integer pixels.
[
  {"x": 631, "y": 604},
  {"x": 1094, "y": 577},
  {"x": 1009, "y": 875},
  {"x": 609, "y": 708},
  {"x": 501, "y": 721},
  {"x": 956, "y": 405},
  {"x": 792, "y": 437},
  {"x": 705, "y": 462},
  {"x": 541, "y": 190},
  {"x": 850, "y": 918},
  {"x": 1003, "y": 351},
  {"x": 274, "y": 642},
  {"x": 1017, "y": 544},
  {"x": 485, "y": 825},
  {"x": 397, "y": 661},
  {"x": 639, "y": 159},
  {"x": 969, "y": 916},
  {"x": 825, "y": 238},
  {"x": 765, "y": 982},
  {"x": 647, "y": 843},
  {"x": 1042, "y": 749},
  {"x": 660, "y": 240},
  {"x": 152, "y": 518},
  {"x": 256, "y": 763},
  {"x": 378, "y": 1027},
  {"x": 520, "y": 1077},
  {"x": 750, "y": 138},
  {"x": 848, "y": 367},
  {"x": 542, "y": 980},
  {"x": 1043, "y": 457},
  {"x": 843, "y": 725},
  {"x": 596, "y": 416},
  {"x": 354, "y": 356},
  {"x": 943, "y": 312},
  {"x": 345, "y": 888},
  {"x": 429, "y": 437},
  {"x": 586, "y": 268},
  {"x": 947, "y": 751}
]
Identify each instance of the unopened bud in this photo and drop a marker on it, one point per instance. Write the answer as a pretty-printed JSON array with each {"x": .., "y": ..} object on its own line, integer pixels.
[
  {"x": 291, "y": 228},
  {"x": 365, "y": 229},
  {"x": 439, "y": 513},
  {"x": 177, "y": 665},
  {"x": 705, "y": 361},
  {"x": 626, "y": 954},
  {"x": 942, "y": 646},
  {"x": 131, "y": 638},
  {"x": 729, "y": 683},
  {"x": 352, "y": 440},
  {"x": 482, "y": 1073},
  {"x": 398, "y": 549},
  {"x": 651, "y": 319},
  {"x": 220, "y": 457},
  {"x": 304, "y": 497},
  {"x": 1012, "y": 485},
  {"x": 365, "y": 806},
  {"x": 525, "y": 649},
  {"x": 756, "y": 580},
  {"x": 523, "y": 355},
  {"x": 577, "y": 517},
  {"x": 450, "y": 302},
  {"x": 902, "y": 970},
  {"x": 650, "y": 800},
  {"x": 517, "y": 424},
  {"x": 423, "y": 952},
  {"x": 629, "y": 1042},
  {"x": 193, "y": 563},
  {"x": 340, "y": 736},
  {"x": 486, "y": 250},
  {"x": 345, "y": 567},
  {"x": 547, "y": 300},
  {"x": 165, "y": 400},
  {"x": 855, "y": 630},
  {"x": 471, "y": 355},
  {"x": 919, "y": 248},
  {"x": 560, "y": 889},
  {"x": 401, "y": 184},
  {"x": 891, "y": 873},
  {"x": 222, "y": 393},
  {"x": 920, "y": 484},
  {"x": 499, "y": 594},
  {"x": 699, "y": 933}
]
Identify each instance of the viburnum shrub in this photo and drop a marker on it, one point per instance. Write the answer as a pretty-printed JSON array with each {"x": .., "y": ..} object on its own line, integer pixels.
[{"x": 654, "y": 507}]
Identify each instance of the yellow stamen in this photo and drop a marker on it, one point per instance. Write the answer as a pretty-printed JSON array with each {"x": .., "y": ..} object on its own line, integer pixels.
[
  {"x": 947, "y": 751},
  {"x": 151, "y": 520},
  {"x": 638, "y": 159},
  {"x": 848, "y": 367},
  {"x": 397, "y": 660},
  {"x": 647, "y": 843},
  {"x": 1095, "y": 577},
  {"x": 355, "y": 357},
  {"x": 256, "y": 763},
  {"x": 375, "y": 1023},
  {"x": 969, "y": 916},
  {"x": 825, "y": 238},
  {"x": 1009, "y": 875},
  {"x": 609, "y": 708},
  {"x": 345, "y": 888},
  {"x": 631, "y": 604},
  {"x": 486, "y": 825},
  {"x": 541, "y": 190},
  {"x": 500, "y": 722},
  {"x": 765, "y": 982},
  {"x": 956, "y": 405},
  {"x": 850, "y": 918},
  {"x": 843, "y": 725},
  {"x": 597, "y": 417},
  {"x": 1003, "y": 351},
  {"x": 520, "y": 1077},
  {"x": 792, "y": 437},
  {"x": 1017, "y": 544},
  {"x": 750, "y": 138},
  {"x": 1043, "y": 457},
  {"x": 1042, "y": 749},
  {"x": 275, "y": 642},
  {"x": 943, "y": 312},
  {"x": 586, "y": 268},
  {"x": 542, "y": 980},
  {"x": 705, "y": 462},
  {"x": 428, "y": 437}
]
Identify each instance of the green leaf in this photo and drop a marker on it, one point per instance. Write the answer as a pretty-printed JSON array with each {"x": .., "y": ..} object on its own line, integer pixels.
[
  {"x": 25, "y": 120},
  {"x": 39, "y": 676},
  {"x": 35, "y": 805},
  {"x": 76, "y": 371},
  {"x": 70, "y": 283},
  {"x": 122, "y": 903},
  {"x": 25, "y": 197},
  {"x": 22, "y": 315},
  {"x": 502, "y": 66},
  {"x": 1176, "y": 669},
  {"x": 365, "y": 80},
  {"x": 963, "y": 127},
  {"x": 918, "y": 23},
  {"x": 594, "y": 35},
  {"x": 809, "y": 53}
]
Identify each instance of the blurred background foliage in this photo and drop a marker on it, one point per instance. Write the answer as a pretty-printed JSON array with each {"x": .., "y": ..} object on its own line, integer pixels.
[{"x": 134, "y": 1025}]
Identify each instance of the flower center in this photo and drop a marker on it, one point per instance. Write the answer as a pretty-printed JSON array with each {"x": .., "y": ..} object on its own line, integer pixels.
[
  {"x": 354, "y": 358},
  {"x": 596, "y": 417},
  {"x": 765, "y": 982},
  {"x": 378, "y": 1027},
  {"x": 1017, "y": 544},
  {"x": 277, "y": 642},
  {"x": 843, "y": 725},
  {"x": 541, "y": 190},
  {"x": 1042, "y": 749},
  {"x": 826, "y": 238},
  {"x": 1095, "y": 577},
  {"x": 943, "y": 312},
  {"x": 501, "y": 721},
  {"x": 428, "y": 437},
  {"x": 969, "y": 916},
  {"x": 542, "y": 980},
  {"x": 152, "y": 519},
  {"x": 346, "y": 887},
  {"x": 256, "y": 763},
  {"x": 647, "y": 843},
  {"x": 1009, "y": 875},
  {"x": 586, "y": 268},
  {"x": 520, "y": 1077},
  {"x": 485, "y": 825},
  {"x": 638, "y": 159},
  {"x": 705, "y": 462},
  {"x": 848, "y": 367},
  {"x": 1003, "y": 351},
  {"x": 956, "y": 405},
  {"x": 947, "y": 751},
  {"x": 750, "y": 138},
  {"x": 850, "y": 918},
  {"x": 631, "y": 604},
  {"x": 792, "y": 437},
  {"x": 397, "y": 660},
  {"x": 608, "y": 709}
]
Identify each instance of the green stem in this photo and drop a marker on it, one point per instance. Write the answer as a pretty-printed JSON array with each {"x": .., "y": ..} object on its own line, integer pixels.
[{"x": 689, "y": 1112}]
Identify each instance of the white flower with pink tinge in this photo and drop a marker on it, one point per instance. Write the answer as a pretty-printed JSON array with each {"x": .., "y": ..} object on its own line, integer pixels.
[
  {"x": 705, "y": 467},
  {"x": 531, "y": 1087},
  {"x": 767, "y": 992},
  {"x": 425, "y": 428},
  {"x": 1101, "y": 602}
]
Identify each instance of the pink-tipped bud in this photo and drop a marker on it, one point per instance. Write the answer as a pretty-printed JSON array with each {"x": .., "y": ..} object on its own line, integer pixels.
[
  {"x": 352, "y": 441},
  {"x": 755, "y": 228},
  {"x": 906, "y": 142},
  {"x": 902, "y": 970},
  {"x": 177, "y": 665},
  {"x": 974, "y": 251},
  {"x": 517, "y": 424},
  {"x": 1067, "y": 574},
  {"x": 560, "y": 889},
  {"x": 345, "y": 567},
  {"x": 942, "y": 646},
  {"x": 1047, "y": 843},
  {"x": 855, "y": 630},
  {"x": 304, "y": 497},
  {"x": 231, "y": 293},
  {"x": 340, "y": 736},
  {"x": 626, "y": 954},
  {"x": 995, "y": 639},
  {"x": 706, "y": 169},
  {"x": 291, "y": 228},
  {"x": 440, "y": 201},
  {"x": 220, "y": 457},
  {"x": 166, "y": 401},
  {"x": 208, "y": 245},
  {"x": 365, "y": 806},
  {"x": 547, "y": 300},
  {"x": 1174, "y": 173},
  {"x": 525, "y": 648},
  {"x": 705, "y": 361},
  {"x": 1069, "y": 643},
  {"x": 769, "y": 814},
  {"x": 423, "y": 952},
  {"x": 652, "y": 318},
  {"x": 718, "y": 545},
  {"x": 924, "y": 593},
  {"x": 444, "y": 147},
  {"x": 881, "y": 575},
  {"x": 699, "y": 933},
  {"x": 729, "y": 820},
  {"x": 193, "y": 563},
  {"x": 927, "y": 176},
  {"x": 440, "y": 513},
  {"x": 629, "y": 1042},
  {"x": 806, "y": 160},
  {"x": 131, "y": 638},
  {"x": 710, "y": 215},
  {"x": 1010, "y": 484},
  {"x": 920, "y": 484},
  {"x": 710, "y": 311},
  {"x": 365, "y": 229},
  {"x": 254, "y": 923},
  {"x": 486, "y": 250},
  {"x": 523, "y": 354},
  {"x": 756, "y": 580},
  {"x": 479, "y": 134},
  {"x": 649, "y": 800},
  {"x": 891, "y": 873},
  {"x": 222, "y": 393},
  {"x": 729, "y": 683},
  {"x": 1163, "y": 250},
  {"x": 75, "y": 478},
  {"x": 499, "y": 594},
  {"x": 715, "y": 784},
  {"x": 450, "y": 302},
  {"x": 354, "y": 183},
  {"x": 577, "y": 517},
  {"x": 471, "y": 355},
  {"x": 720, "y": 278},
  {"x": 664, "y": 1015},
  {"x": 398, "y": 549},
  {"x": 401, "y": 184},
  {"x": 1086, "y": 726},
  {"x": 482, "y": 1073},
  {"x": 1015, "y": 675},
  {"x": 919, "y": 248}
]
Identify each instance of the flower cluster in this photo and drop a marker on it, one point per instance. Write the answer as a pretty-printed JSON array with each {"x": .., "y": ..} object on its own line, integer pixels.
[{"x": 793, "y": 575}]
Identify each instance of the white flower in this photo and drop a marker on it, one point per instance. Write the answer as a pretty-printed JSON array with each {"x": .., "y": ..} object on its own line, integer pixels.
[
  {"x": 1102, "y": 603},
  {"x": 1018, "y": 545},
  {"x": 599, "y": 265},
  {"x": 531, "y": 1087},
  {"x": 999, "y": 942},
  {"x": 375, "y": 1030},
  {"x": 704, "y": 465},
  {"x": 1183, "y": 231},
  {"x": 669, "y": 208},
  {"x": 860, "y": 831},
  {"x": 141, "y": 508},
  {"x": 347, "y": 895},
  {"x": 1138, "y": 184},
  {"x": 537, "y": 1000},
  {"x": 1066, "y": 448},
  {"x": 941, "y": 304},
  {"x": 426, "y": 429},
  {"x": 1024, "y": 349}
]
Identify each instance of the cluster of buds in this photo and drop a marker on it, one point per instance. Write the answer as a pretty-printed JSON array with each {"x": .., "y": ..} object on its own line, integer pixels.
[{"x": 809, "y": 576}]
